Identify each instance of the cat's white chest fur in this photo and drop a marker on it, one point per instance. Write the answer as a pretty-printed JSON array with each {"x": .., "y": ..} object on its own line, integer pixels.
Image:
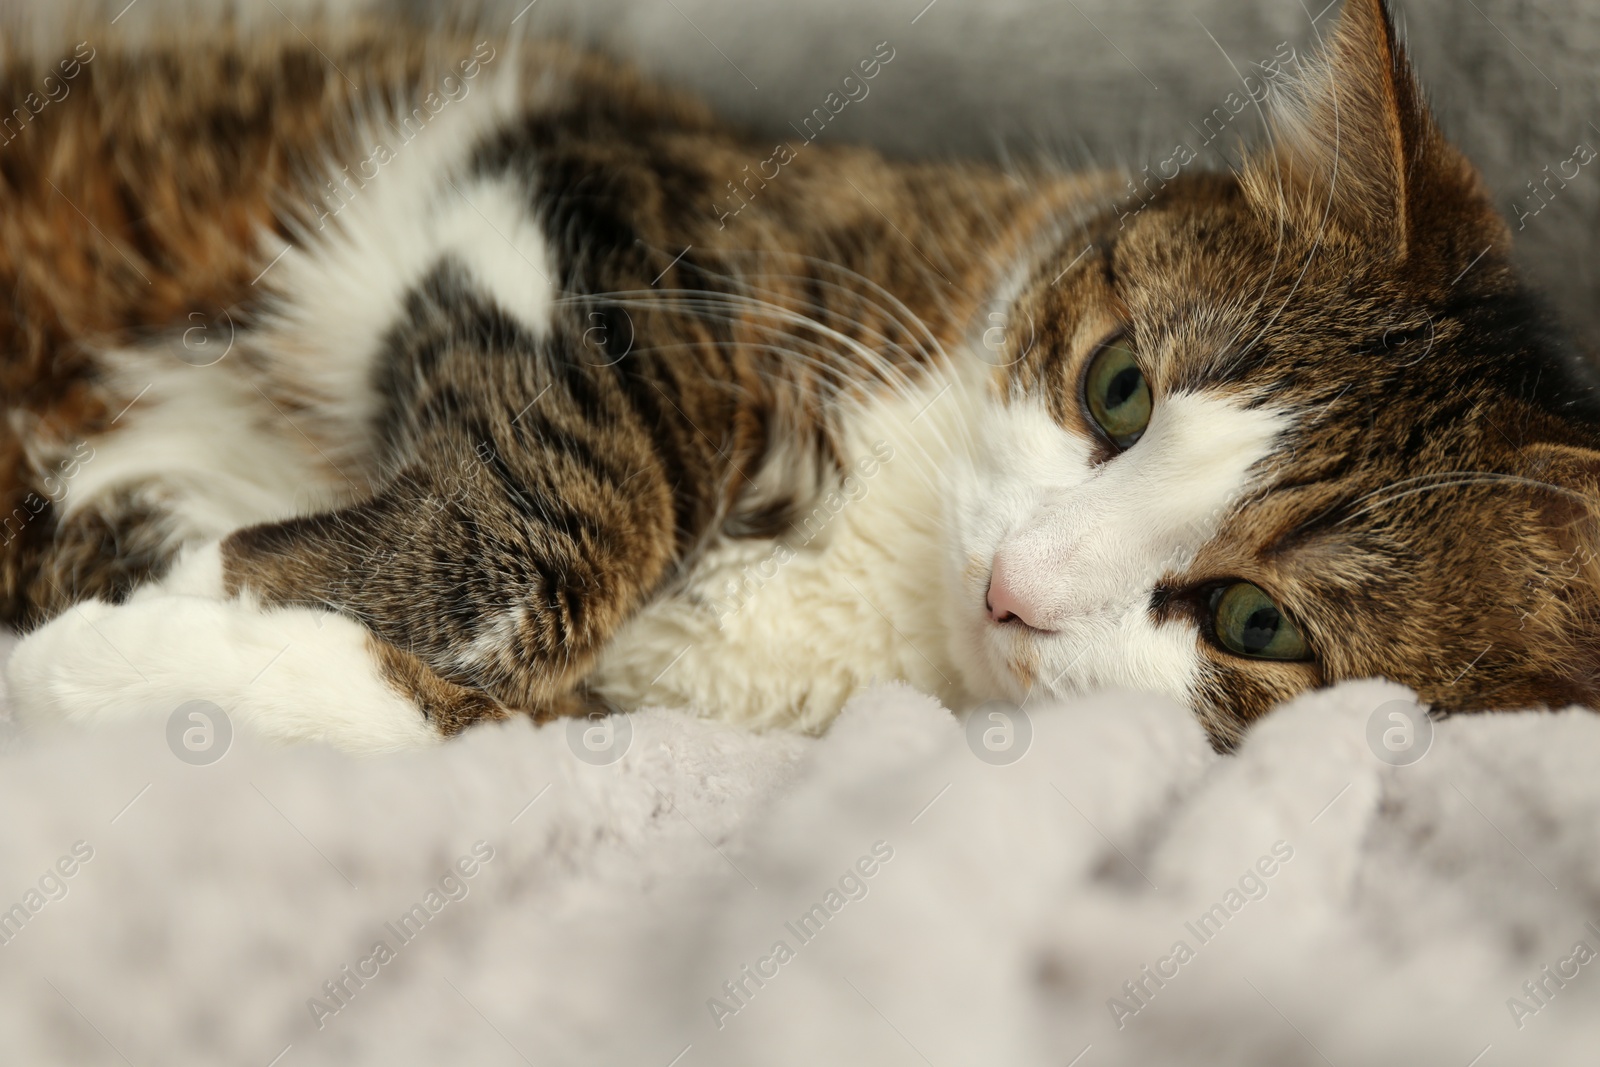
[{"x": 781, "y": 632}]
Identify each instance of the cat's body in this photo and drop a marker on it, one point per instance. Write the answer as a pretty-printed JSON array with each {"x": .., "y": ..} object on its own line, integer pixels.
[
  {"x": 509, "y": 409},
  {"x": 240, "y": 420}
]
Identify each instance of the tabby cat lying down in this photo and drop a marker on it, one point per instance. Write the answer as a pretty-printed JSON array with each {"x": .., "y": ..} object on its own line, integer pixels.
[{"x": 433, "y": 381}]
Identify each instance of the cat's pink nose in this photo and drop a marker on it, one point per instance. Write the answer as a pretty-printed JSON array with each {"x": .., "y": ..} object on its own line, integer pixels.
[{"x": 1005, "y": 603}]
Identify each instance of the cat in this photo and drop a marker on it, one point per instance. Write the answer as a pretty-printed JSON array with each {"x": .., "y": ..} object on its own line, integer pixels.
[{"x": 379, "y": 386}]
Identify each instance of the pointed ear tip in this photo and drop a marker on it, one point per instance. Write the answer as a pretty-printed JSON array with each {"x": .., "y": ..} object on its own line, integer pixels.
[
  {"x": 1380, "y": 11},
  {"x": 1367, "y": 26}
]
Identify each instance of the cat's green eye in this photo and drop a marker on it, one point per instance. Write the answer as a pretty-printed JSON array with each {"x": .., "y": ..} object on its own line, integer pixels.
[
  {"x": 1246, "y": 621},
  {"x": 1116, "y": 394}
]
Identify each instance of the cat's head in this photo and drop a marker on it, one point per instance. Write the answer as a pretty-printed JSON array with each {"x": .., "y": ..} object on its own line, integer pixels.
[{"x": 1292, "y": 425}]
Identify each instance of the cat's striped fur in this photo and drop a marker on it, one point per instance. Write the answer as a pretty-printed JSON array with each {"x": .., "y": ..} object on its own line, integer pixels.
[{"x": 510, "y": 405}]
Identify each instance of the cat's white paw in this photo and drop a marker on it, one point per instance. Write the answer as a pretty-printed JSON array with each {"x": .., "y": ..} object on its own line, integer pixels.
[{"x": 285, "y": 674}]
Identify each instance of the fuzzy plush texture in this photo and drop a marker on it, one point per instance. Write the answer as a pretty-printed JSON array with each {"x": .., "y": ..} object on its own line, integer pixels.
[{"x": 1018, "y": 900}]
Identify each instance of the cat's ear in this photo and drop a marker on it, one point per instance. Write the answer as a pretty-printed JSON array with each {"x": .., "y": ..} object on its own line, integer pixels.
[{"x": 1354, "y": 147}]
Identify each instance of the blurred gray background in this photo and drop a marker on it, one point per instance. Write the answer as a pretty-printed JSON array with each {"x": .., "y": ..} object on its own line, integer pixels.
[{"x": 1515, "y": 82}]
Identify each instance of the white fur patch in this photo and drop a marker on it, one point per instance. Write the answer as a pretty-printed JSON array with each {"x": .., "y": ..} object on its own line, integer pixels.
[
  {"x": 782, "y": 632},
  {"x": 196, "y": 572},
  {"x": 486, "y": 226},
  {"x": 203, "y": 444},
  {"x": 376, "y": 239},
  {"x": 285, "y": 674},
  {"x": 1086, "y": 543}
]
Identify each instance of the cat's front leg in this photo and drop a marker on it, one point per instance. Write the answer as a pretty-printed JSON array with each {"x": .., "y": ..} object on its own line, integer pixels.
[
  {"x": 533, "y": 506},
  {"x": 474, "y": 609}
]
